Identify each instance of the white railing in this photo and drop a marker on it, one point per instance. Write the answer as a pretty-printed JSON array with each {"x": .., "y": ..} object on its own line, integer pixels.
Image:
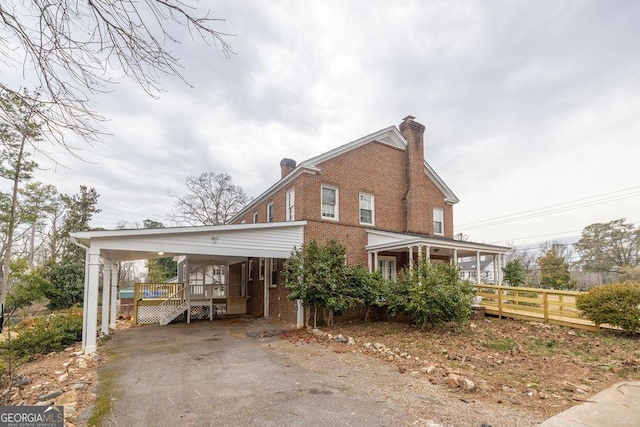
[{"x": 169, "y": 306}]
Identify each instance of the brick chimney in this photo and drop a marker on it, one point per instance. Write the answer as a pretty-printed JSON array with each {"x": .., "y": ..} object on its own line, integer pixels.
[
  {"x": 286, "y": 166},
  {"x": 417, "y": 210}
]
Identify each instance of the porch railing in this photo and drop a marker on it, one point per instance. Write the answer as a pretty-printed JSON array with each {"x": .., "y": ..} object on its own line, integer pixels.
[
  {"x": 172, "y": 303},
  {"x": 155, "y": 290},
  {"x": 542, "y": 305}
]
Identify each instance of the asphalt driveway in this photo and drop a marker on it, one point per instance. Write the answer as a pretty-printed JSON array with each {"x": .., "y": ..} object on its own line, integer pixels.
[{"x": 226, "y": 372}]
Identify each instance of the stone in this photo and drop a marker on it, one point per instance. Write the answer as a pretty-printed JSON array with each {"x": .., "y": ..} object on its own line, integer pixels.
[
  {"x": 368, "y": 346},
  {"x": 68, "y": 398},
  {"x": 351, "y": 341},
  {"x": 391, "y": 358},
  {"x": 82, "y": 364},
  {"x": 50, "y": 395},
  {"x": 63, "y": 378},
  {"x": 378, "y": 346},
  {"x": 431, "y": 369},
  {"x": 341, "y": 339},
  {"x": 58, "y": 372},
  {"x": 317, "y": 332},
  {"x": 78, "y": 386}
]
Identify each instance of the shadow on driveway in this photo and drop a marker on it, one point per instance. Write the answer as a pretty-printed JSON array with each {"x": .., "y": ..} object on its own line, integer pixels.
[{"x": 225, "y": 372}]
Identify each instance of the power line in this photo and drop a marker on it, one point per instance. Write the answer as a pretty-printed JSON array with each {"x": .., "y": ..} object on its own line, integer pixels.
[{"x": 551, "y": 209}]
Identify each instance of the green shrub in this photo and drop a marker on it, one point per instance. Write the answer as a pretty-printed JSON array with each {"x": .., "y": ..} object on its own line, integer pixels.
[
  {"x": 46, "y": 334},
  {"x": 431, "y": 295},
  {"x": 617, "y": 304}
]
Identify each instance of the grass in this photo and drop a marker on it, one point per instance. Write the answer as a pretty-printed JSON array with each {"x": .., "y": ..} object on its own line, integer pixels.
[{"x": 501, "y": 344}]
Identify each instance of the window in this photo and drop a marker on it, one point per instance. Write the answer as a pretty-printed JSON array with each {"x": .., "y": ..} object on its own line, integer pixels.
[
  {"x": 330, "y": 202},
  {"x": 255, "y": 217},
  {"x": 274, "y": 272},
  {"x": 366, "y": 209},
  {"x": 243, "y": 221},
  {"x": 261, "y": 273},
  {"x": 291, "y": 205},
  {"x": 438, "y": 221},
  {"x": 251, "y": 269},
  {"x": 387, "y": 266},
  {"x": 270, "y": 212}
]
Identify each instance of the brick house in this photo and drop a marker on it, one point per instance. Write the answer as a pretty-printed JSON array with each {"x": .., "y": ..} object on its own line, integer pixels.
[{"x": 377, "y": 195}]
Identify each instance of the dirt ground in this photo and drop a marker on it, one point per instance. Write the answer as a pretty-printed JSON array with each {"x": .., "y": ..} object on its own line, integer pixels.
[
  {"x": 541, "y": 368},
  {"x": 512, "y": 365}
]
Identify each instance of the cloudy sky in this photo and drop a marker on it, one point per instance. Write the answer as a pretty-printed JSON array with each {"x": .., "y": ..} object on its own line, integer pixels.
[{"x": 527, "y": 105}]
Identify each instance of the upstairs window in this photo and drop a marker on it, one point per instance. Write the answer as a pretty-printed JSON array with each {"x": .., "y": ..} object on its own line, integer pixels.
[
  {"x": 270, "y": 212},
  {"x": 329, "y": 202},
  {"x": 438, "y": 221},
  {"x": 291, "y": 205},
  {"x": 255, "y": 217},
  {"x": 366, "y": 209}
]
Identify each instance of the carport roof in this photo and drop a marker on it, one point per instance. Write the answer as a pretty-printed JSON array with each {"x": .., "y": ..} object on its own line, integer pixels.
[{"x": 224, "y": 242}]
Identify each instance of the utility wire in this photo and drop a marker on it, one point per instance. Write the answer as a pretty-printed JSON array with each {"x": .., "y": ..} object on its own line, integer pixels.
[{"x": 560, "y": 207}]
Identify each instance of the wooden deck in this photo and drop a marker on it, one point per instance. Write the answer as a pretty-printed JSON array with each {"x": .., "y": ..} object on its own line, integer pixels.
[
  {"x": 539, "y": 305},
  {"x": 151, "y": 296}
]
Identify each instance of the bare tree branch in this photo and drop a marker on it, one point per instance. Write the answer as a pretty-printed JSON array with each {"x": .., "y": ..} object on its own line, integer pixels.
[{"x": 76, "y": 49}]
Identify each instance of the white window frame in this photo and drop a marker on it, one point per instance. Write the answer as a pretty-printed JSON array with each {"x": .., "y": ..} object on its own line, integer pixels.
[
  {"x": 384, "y": 269},
  {"x": 441, "y": 222},
  {"x": 335, "y": 217},
  {"x": 270, "y": 208},
  {"x": 261, "y": 269},
  {"x": 255, "y": 217},
  {"x": 291, "y": 204},
  {"x": 373, "y": 212},
  {"x": 250, "y": 270},
  {"x": 273, "y": 268},
  {"x": 243, "y": 222}
]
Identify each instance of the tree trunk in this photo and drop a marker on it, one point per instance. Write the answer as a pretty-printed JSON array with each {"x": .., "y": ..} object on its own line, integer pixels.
[
  {"x": 12, "y": 223},
  {"x": 307, "y": 315},
  {"x": 315, "y": 316}
]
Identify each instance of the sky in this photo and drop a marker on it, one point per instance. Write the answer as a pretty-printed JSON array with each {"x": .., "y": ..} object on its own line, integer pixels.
[{"x": 527, "y": 105}]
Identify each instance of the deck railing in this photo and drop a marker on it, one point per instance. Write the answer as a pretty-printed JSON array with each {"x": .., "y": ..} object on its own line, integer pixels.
[
  {"x": 172, "y": 303},
  {"x": 155, "y": 290},
  {"x": 543, "y": 305}
]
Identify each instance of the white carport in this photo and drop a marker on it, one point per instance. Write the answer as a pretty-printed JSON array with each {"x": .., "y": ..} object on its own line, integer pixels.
[{"x": 225, "y": 243}]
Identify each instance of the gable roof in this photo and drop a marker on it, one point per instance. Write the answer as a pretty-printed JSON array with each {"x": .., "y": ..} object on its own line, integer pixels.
[{"x": 390, "y": 136}]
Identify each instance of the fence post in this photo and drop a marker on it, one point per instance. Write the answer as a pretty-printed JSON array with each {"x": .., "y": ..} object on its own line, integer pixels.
[
  {"x": 499, "y": 302},
  {"x": 545, "y": 306}
]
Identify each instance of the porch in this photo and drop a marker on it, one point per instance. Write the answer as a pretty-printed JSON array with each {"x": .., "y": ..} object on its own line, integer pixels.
[{"x": 165, "y": 302}]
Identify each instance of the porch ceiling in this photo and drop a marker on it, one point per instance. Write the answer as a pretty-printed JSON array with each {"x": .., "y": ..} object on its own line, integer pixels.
[{"x": 225, "y": 243}]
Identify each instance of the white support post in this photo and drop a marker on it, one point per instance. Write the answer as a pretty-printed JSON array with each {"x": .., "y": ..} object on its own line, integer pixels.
[
  {"x": 91, "y": 306},
  {"x": 369, "y": 263},
  {"x": 419, "y": 255},
  {"x": 496, "y": 265},
  {"x": 299, "y": 314},
  {"x": 455, "y": 257},
  {"x": 375, "y": 261},
  {"x": 410, "y": 258},
  {"x": 106, "y": 290},
  {"x": 427, "y": 255},
  {"x": 114, "y": 293},
  {"x": 478, "y": 281},
  {"x": 85, "y": 295},
  {"x": 500, "y": 273}
]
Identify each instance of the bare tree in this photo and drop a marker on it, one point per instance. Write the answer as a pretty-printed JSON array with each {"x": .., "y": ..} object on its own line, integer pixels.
[
  {"x": 212, "y": 199},
  {"x": 73, "y": 47}
]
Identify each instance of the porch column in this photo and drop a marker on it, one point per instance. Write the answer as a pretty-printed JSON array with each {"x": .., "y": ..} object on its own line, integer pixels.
[
  {"x": 419, "y": 254},
  {"x": 85, "y": 295},
  {"x": 496, "y": 266},
  {"x": 428, "y": 254},
  {"x": 375, "y": 261},
  {"x": 114, "y": 292},
  {"x": 369, "y": 261},
  {"x": 500, "y": 273},
  {"x": 91, "y": 306},
  {"x": 478, "y": 281},
  {"x": 410, "y": 258},
  {"x": 455, "y": 257},
  {"x": 106, "y": 290}
]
